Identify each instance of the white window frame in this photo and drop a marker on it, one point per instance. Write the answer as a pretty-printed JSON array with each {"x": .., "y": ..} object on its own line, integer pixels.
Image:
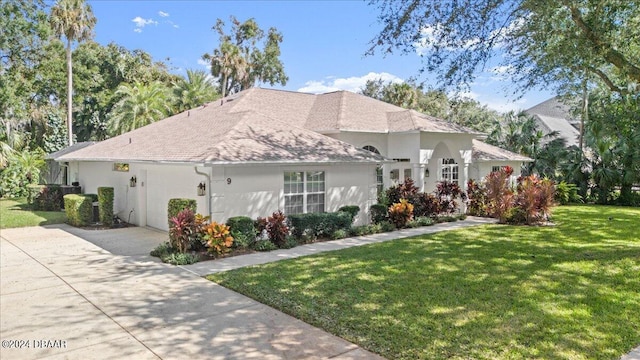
[
  {"x": 308, "y": 190},
  {"x": 449, "y": 171}
]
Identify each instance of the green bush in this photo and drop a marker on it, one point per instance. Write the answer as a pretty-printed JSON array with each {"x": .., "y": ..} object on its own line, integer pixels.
[
  {"x": 162, "y": 250},
  {"x": 387, "y": 226},
  {"x": 379, "y": 213},
  {"x": 45, "y": 197},
  {"x": 339, "y": 234},
  {"x": 352, "y": 210},
  {"x": 319, "y": 224},
  {"x": 424, "y": 220},
  {"x": 362, "y": 230},
  {"x": 567, "y": 193},
  {"x": 243, "y": 230},
  {"x": 180, "y": 259},
  {"x": 264, "y": 245},
  {"x": 105, "y": 205},
  {"x": 177, "y": 205},
  {"x": 79, "y": 208}
]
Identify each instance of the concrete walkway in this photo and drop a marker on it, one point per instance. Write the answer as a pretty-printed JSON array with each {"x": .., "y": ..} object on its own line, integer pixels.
[{"x": 77, "y": 294}]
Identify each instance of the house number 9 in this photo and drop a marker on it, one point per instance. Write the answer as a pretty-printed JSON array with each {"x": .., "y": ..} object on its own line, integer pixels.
[{"x": 228, "y": 181}]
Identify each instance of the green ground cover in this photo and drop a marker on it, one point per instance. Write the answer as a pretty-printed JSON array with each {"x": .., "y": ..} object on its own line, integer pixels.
[
  {"x": 569, "y": 291},
  {"x": 16, "y": 213}
]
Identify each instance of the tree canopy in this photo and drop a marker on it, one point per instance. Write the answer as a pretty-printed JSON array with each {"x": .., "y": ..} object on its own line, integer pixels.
[
  {"x": 239, "y": 63},
  {"x": 543, "y": 41}
]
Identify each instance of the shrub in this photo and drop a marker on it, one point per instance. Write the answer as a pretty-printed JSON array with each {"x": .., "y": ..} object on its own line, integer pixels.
[
  {"x": 180, "y": 258},
  {"x": 277, "y": 228},
  {"x": 400, "y": 213},
  {"x": 264, "y": 245},
  {"x": 535, "y": 197},
  {"x": 290, "y": 242},
  {"x": 567, "y": 193},
  {"x": 500, "y": 197},
  {"x": 425, "y": 205},
  {"x": 447, "y": 192},
  {"x": 162, "y": 250},
  {"x": 243, "y": 229},
  {"x": 176, "y": 205},
  {"x": 339, "y": 234},
  {"x": 217, "y": 238},
  {"x": 362, "y": 230},
  {"x": 378, "y": 213},
  {"x": 45, "y": 197},
  {"x": 401, "y": 191},
  {"x": 318, "y": 224},
  {"x": 515, "y": 216},
  {"x": 386, "y": 226},
  {"x": 261, "y": 226},
  {"x": 105, "y": 205},
  {"x": 477, "y": 196},
  {"x": 182, "y": 230},
  {"x": 352, "y": 210},
  {"x": 79, "y": 208},
  {"x": 424, "y": 221}
]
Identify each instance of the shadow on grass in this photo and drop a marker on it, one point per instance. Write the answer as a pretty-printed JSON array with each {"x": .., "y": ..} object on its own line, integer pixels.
[{"x": 564, "y": 291}]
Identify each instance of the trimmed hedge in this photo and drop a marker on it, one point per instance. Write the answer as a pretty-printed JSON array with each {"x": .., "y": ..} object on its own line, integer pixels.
[
  {"x": 243, "y": 225},
  {"x": 45, "y": 197},
  {"x": 79, "y": 208},
  {"x": 379, "y": 213},
  {"x": 352, "y": 210},
  {"x": 319, "y": 224},
  {"x": 179, "y": 204},
  {"x": 105, "y": 205}
]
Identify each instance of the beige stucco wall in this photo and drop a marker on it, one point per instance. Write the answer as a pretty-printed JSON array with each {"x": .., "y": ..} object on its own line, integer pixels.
[{"x": 235, "y": 190}]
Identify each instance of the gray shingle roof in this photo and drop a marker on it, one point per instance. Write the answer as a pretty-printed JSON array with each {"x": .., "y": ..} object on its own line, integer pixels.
[
  {"x": 484, "y": 152},
  {"x": 552, "y": 115},
  {"x": 264, "y": 125}
]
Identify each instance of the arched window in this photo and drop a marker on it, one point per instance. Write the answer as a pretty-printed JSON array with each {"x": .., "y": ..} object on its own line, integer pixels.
[{"x": 372, "y": 149}]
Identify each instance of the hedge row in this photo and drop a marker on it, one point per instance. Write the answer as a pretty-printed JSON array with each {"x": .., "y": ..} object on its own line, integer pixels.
[
  {"x": 319, "y": 224},
  {"x": 79, "y": 208},
  {"x": 105, "y": 205}
]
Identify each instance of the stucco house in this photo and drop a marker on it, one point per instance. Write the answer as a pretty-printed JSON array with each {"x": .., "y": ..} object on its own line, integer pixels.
[{"x": 261, "y": 150}]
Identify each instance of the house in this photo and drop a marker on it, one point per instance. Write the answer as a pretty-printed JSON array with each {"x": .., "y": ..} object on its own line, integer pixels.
[
  {"x": 261, "y": 150},
  {"x": 555, "y": 116},
  {"x": 488, "y": 158}
]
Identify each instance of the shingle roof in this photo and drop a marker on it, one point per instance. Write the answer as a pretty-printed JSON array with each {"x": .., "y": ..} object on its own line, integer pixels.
[
  {"x": 69, "y": 149},
  {"x": 482, "y": 151},
  {"x": 212, "y": 135},
  {"x": 267, "y": 126},
  {"x": 553, "y": 115}
]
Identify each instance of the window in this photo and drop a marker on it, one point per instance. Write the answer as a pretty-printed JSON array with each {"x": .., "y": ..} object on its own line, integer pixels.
[
  {"x": 121, "y": 167},
  {"x": 395, "y": 176},
  {"x": 407, "y": 174},
  {"x": 449, "y": 171},
  {"x": 379, "y": 179},
  {"x": 372, "y": 149},
  {"x": 303, "y": 192}
]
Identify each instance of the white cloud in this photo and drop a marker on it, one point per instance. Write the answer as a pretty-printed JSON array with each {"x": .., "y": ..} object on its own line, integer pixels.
[
  {"x": 353, "y": 84},
  {"x": 163, "y": 14},
  {"x": 432, "y": 36},
  {"x": 141, "y": 23},
  {"x": 505, "y": 105}
]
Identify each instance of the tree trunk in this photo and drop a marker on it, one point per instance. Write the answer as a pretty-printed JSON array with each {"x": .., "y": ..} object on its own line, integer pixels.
[{"x": 69, "y": 94}]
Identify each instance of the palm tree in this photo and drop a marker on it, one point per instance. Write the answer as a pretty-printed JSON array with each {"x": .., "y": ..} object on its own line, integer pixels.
[
  {"x": 74, "y": 20},
  {"x": 194, "y": 91},
  {"x": 139, "y": 105}
]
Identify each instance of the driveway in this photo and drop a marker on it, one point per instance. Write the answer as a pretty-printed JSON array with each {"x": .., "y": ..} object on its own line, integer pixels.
[{"x": 72, "y": 293}]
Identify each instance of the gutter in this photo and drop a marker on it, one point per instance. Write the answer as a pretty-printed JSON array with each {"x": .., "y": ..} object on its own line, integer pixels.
[{"x": 209, "y": 204}]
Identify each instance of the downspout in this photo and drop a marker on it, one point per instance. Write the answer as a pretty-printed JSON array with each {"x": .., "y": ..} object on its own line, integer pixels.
[{"x": 209, "y": 208}]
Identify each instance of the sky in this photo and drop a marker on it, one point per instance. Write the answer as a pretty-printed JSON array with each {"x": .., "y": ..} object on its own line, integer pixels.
[{"x": 323, "y": 48}]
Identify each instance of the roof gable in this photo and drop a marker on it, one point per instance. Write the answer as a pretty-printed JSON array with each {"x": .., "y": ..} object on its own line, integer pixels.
[{"x": 482, "y": 151}]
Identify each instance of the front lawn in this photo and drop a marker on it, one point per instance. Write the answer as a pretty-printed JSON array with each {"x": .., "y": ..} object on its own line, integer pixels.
[
  {"x": 16, "y": 213},
  {"x": 570, "y": 291}
]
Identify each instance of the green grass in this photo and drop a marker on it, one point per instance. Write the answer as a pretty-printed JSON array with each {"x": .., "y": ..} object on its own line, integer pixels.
[
  {"x": 16, "y": 213},
  {"x": 570, "y": 291}
]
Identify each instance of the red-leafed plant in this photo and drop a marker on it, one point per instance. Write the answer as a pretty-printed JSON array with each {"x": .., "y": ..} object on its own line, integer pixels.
[
  {"x": 425, "y": 205},
  {"x": 400, "y": 213},
  {"x": 183, "y": 230},
  {"x": 500, "y": 197},
  {"x": 406, "y": 190},
  {"x": 477, "y": 195},
  {"x": 277, "y": 228},
  {"x": 535, "y": 198},
  {"x": 447, "y": 192}
]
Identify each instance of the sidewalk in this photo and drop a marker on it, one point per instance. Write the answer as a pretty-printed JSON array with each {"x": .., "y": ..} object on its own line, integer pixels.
[{"x": 210, "y": 267}]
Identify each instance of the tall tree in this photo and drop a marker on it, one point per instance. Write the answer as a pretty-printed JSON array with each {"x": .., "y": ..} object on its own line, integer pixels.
[
  {"x": 197, "y": 89},
  {"x": 543, "y": 41},
  {"x": 74, "y": 20},
  {"x": 239, "y": 63},
  {"x": 139, "y": 105}
]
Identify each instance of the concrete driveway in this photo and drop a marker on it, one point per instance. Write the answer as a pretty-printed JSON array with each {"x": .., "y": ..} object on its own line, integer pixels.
[{"x": 87, "y": 294}]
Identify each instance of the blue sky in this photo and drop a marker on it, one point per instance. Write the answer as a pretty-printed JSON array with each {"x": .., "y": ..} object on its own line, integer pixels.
[{"x": 323, "y": 48}]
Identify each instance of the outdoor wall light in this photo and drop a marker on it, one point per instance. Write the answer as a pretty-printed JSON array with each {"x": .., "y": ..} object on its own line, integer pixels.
[
  {"x": 426, "y": 172},
  {"x": 202, "y": 189},
  {"x": 133, "y": 181}
]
